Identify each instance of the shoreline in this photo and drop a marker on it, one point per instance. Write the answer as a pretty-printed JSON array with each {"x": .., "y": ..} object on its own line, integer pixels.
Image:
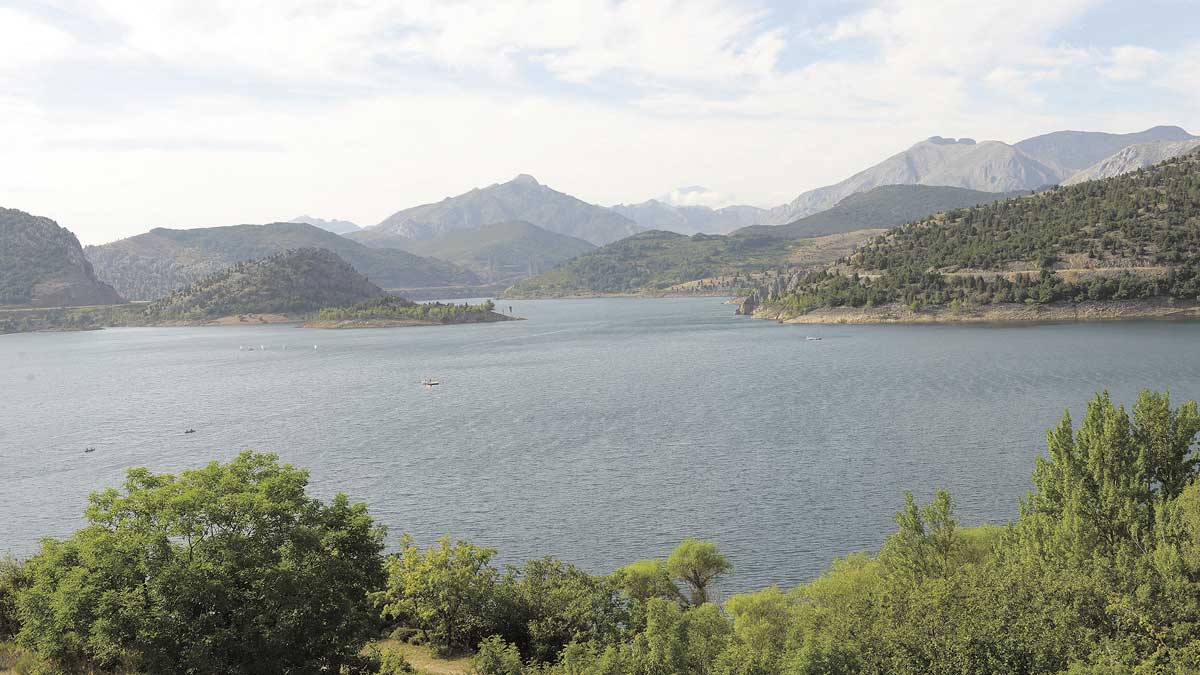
[{"x": 1123, "y": 310}]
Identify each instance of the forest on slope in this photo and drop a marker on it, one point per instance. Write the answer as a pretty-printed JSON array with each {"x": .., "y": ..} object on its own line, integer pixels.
[
  {"x": 1135, "y": 236},
  {"x": 151, "y": 265}
]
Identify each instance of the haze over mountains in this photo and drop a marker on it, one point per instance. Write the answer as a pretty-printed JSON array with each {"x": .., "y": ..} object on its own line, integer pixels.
[
  {"x": 521, "y": 198},
  {"x": 334, "y": 226},
  {"x": 151, "y": 265},
  {"x": 990, "y": 166},
  {"x": 661, "y": 214}
]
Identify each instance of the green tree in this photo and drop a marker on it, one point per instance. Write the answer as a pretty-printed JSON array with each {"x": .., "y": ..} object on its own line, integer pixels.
[
  {"x": 12, "y": 579},
  {"x": 448, "y": 591},
  {"x": 547, "y": 604},
  {"x": 697, "y": 564},
  {"x": 227, "y": 569},
  {"x": 497, "y": 657}
]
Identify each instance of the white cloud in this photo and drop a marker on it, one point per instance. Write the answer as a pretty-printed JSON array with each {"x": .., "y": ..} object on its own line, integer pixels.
[
  {"x": 25, "y": 41},
  {"x": 223, "y": 112}
]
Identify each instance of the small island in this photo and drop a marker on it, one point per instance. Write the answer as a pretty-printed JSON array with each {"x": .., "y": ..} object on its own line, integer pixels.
[{"x": 392, "y": 311}]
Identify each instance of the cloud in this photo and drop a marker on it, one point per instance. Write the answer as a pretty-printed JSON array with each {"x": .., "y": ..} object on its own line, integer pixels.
[
  {"x": 25, "y": 41},
  {"x": 119, "y": 115}
]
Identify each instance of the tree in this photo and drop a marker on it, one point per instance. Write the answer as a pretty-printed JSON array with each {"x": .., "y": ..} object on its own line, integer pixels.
[
  {"x": 697, "y": 563},
  {"x": 226, "y": 569},
  {"x": 12, "y": 579},
  {"x": 497, "y": 657},
  {"x": 447, "y": 591},
  {"x": 547, "y": 604}
]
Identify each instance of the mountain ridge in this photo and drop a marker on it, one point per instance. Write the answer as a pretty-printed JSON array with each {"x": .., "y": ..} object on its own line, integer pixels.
[
  {"x": 522, "y": 198},
  {"x": 151, "y": 265},
  {"x": 43, "y": 265}
]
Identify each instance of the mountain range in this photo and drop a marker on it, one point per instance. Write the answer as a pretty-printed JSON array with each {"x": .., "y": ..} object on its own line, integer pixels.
[
  {"x": 500, "y": 252},
  {"x": 990, "y": 166},
  {"x": 659, "y": 214},
  {"x": 43, "y": 265},
  {"x": 334, "y": 226},
  {"x": 520, "y": 199},
  {"x": 151, "y": 265}
]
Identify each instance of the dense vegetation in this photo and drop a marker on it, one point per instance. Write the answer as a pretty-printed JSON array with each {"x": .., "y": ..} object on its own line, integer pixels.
[
  {"x": 1133, "y": 236},
  {"x": 651, "y": 262},
  {"x": 293, "y": 282},
  {"x": 43, "y": 264},
  {"x": 394, "y": 308},
  {"x": 152, "y": 265},
  {"x": 881, "y": 207},
  {"x": 233, "y": 569}
]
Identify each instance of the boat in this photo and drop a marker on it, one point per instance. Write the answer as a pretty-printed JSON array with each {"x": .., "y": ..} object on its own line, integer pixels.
[
  {"x": 87, "y": 450},
  {"x": 429, "y": 381},
  {"x": 813, "y": 338},
  {"x": 190, "y": 431}
]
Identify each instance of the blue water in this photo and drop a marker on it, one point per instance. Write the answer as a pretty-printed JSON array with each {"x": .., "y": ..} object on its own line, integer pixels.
[{"x": 598, "y": 431}]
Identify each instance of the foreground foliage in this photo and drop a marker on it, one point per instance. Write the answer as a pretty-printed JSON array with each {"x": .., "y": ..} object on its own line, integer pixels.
[
  {"x": 233, "y": 569},
  {"x": 226, "y": 569}
]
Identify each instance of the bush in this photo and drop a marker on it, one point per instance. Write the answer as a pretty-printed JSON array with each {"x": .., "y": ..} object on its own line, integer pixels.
[{"x": 497, "y": 657}]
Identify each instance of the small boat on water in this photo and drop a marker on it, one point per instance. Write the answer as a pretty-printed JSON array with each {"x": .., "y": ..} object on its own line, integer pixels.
[
  {"x": 429, "y": 381},
  {"x": 190, "y": 431},
  {"x": 813, "y": 338},
  {"x": 87, "y": 450}
]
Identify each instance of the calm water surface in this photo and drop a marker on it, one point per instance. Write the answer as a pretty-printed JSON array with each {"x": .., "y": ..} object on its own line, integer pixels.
[{"x": 598, "y": 431}]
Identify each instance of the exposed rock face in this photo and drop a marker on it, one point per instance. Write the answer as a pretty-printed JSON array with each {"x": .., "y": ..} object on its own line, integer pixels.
[
  {"x": 1073, "y": 151},
  {"x": 1133, "y": 158},
  {"x": 522, "y": 198},
  {"x": 990, "y": 166},
  {"x": 42, "y": 265}
]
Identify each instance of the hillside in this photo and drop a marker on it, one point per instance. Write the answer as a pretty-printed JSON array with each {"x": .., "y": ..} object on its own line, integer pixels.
[
  {"x": 666, "y": 263},
  {"x": 43, "y": 265},
  {"x": 522, "y": 198},
  {"x": 885, "y": 206},
  {"x": 1132, "y": 237},
  {"x": 658, "y": 261},
  {"x": 500, "y": 252},
  {"x": 1133, "y": 158},
  {"x": 151, "y": 265},
  {"x": 293, "y": 282},
  {"x": 990, "y": 166},
  {"x": 655, "y": 214}
]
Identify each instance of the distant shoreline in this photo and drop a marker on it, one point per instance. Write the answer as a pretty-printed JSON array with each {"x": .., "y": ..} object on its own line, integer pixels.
[{"x": 1119, "y": 310}]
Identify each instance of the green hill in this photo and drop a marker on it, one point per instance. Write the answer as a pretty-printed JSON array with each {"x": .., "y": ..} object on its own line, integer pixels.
[
  {"x": 42, "y": 265},
  {"x": 1132, "y": 237},
  {"x": 885, "y": 206},
  {"x": 293, "y": 282},
  {"x": 500, "y": 252},
  {"x": 151, "y": 265},
  {"x": 652, "y": 262}
]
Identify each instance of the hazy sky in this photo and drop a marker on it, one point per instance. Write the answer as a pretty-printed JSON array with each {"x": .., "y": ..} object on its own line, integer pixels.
[{"x": 118, "y": 116}]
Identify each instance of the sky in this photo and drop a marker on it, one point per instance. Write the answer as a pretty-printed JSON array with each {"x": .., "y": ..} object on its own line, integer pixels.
[{"x": 117, "y": 116}]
